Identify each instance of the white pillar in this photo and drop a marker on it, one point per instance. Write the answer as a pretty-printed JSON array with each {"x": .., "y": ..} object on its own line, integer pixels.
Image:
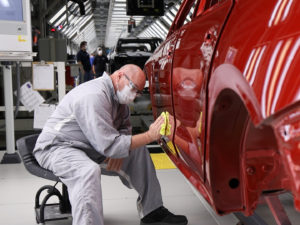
[
  {"x": 61, "y": 76},
  {"x": 9, "y": 110}
]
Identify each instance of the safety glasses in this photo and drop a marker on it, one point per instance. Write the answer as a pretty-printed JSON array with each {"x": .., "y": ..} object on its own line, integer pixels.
[{"x": 133, "y": 87}]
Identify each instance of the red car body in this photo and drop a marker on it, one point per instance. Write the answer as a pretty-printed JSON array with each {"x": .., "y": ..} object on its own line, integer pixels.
[{"x": 230, "y": 78}]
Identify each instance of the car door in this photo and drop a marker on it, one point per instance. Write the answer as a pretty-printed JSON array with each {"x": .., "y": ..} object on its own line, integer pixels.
[
  {"x": 158, "y": 70},
  {"x": 195, "y": 44},
  {"x": 161, "y": 78}
]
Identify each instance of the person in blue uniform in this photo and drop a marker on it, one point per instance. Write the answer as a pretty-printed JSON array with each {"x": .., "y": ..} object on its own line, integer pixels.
[{"x": 83, "y": 58}]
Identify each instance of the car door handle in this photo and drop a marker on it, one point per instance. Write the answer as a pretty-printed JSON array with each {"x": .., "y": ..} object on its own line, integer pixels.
[
  {"x": 207, "y": 38},
  {"x": 169, "y": 53}
]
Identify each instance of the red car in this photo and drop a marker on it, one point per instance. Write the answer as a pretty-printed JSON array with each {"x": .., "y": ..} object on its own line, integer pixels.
[{"x": 229, "y": 75}]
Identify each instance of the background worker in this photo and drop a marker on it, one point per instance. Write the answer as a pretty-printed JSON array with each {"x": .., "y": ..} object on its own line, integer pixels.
[
  {"x": 92, "y": 57},
  {"x": 99, "y": 64},
  {"x": 83, "y": 59},
  {"x": 91, "y": 126}
]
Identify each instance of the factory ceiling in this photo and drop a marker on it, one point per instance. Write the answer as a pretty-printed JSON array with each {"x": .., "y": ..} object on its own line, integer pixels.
[{"x": 103, "y": 22}]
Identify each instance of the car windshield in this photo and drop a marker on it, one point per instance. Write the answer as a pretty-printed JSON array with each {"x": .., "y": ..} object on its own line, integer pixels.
[
  {"x": 130, "y": 47},
  {"x": 137, "y": 46}
]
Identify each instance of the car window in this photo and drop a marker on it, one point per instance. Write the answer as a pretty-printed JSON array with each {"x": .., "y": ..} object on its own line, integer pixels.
[
  {"x": 132, "y": 47},
  {"x": 186, "y": 13},
  {"x": 205, "y": 5},
  {"x": 213, "y": 2},
  {"x": 190, "y": 15},
  {"x": 137, "y": 46}
]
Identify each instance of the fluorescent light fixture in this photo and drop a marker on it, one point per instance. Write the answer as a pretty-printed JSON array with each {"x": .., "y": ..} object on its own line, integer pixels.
[
  {"x": 63, "y": 9},
  {"x": 118, "y": 13},
  {"x": 77, "y": 28},
  {"x": 158, "y": 31},
  {"x": 119, "y": 9},
  {"x": 5, "y": 3},
  {"x": 60, "y": 20},
  {"x": 162, "y": 26},
  {"x": 174, "y": 11},
  {"x": 170, "y": 16},
  {"x": 167, "y": 20},
  {"x": 151, "y": 32},
  {"x": 120, "y": 5}
]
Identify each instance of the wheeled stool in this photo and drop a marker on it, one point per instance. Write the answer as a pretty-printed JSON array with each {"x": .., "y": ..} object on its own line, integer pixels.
[{"x": 43, "y": 211}]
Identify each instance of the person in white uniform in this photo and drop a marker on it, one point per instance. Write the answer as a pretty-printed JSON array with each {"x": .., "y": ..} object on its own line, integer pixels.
[{"x": 89, "y": 134}]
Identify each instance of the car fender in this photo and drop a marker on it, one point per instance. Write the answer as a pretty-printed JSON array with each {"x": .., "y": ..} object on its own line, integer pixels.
[{"x": 227, "y": 76}]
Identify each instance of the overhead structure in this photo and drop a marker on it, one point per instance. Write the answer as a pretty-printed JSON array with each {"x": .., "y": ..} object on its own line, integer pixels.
[
  {"x": 158, "y": 26},
  {"x": 74, "y": 26},
  {"x": 105, "y": 21},
  {"x": 118, "y": 22},
  {"x": 100, "y": 18}
]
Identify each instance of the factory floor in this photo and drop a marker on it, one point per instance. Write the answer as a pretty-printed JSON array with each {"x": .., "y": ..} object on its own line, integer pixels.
[{"x": 18, "y": 188}]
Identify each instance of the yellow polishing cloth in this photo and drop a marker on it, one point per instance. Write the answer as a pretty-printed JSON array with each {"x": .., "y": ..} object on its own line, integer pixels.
[{"x": 166, "y": 126}]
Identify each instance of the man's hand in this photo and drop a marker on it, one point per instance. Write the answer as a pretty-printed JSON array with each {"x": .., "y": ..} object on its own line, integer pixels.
[
  {"x": 113, "y": 164},
  {"x": 154, "y": 129}
]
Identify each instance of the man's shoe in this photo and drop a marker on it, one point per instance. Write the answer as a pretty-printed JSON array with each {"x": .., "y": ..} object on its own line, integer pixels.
[{"x": 162, "y": 216}]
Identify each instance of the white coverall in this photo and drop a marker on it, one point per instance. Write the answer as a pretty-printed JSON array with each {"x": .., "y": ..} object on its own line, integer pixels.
[{"x": 87, "y": 126}]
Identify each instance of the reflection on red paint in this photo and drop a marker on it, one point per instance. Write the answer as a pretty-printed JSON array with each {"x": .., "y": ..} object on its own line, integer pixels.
[{"x": 230, "y": 80}]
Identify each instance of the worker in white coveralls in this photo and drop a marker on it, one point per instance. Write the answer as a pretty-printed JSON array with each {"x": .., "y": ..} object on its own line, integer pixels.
[{"x": 89, "y": 134}]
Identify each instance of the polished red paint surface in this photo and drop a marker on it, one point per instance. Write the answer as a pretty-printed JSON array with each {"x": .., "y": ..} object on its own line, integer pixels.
[{"x": 230, "y": 80}]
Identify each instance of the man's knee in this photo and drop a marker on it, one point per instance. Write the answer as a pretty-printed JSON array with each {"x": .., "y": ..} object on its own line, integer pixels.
[{"x": 92, "y": 170}]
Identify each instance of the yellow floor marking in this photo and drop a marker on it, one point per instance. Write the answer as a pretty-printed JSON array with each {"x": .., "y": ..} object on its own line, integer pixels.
[{"x": 162, "y": 161}]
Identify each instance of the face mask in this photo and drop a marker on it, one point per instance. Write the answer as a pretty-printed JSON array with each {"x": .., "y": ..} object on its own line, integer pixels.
[
  {"x": 100, "y": 52},
  {"x": 126, "y": 95}
]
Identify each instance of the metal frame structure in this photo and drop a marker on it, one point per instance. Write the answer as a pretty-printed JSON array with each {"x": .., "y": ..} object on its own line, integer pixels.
[
  {"x": 109, "y": 22},
  {"x": 10, "y": 156}
]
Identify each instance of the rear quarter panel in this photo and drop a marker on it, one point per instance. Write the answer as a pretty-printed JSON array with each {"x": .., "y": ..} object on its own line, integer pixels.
[
  {"x": 262, "y": 40},
  {"x": 260, "y": 43}
]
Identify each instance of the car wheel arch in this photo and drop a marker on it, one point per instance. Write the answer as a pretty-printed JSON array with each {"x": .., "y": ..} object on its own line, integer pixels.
[
  {"x": 228, "y": 122},
  {"x": 232, "y": 107},
  {"x": 227, "y": 76}
]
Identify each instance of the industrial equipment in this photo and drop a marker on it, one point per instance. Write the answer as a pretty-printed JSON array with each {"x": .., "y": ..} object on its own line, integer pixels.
[
  {"x": 16, "y": 45},
  {"x": 15, "y": 30},
  {"x": 145, "y": 7}
]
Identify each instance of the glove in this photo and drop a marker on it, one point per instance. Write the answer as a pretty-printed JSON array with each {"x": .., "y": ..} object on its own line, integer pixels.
[{"x": 166, "y": 126}]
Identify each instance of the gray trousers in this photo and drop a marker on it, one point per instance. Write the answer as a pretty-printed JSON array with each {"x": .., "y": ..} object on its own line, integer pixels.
[{"x": 82, "y": 176}]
